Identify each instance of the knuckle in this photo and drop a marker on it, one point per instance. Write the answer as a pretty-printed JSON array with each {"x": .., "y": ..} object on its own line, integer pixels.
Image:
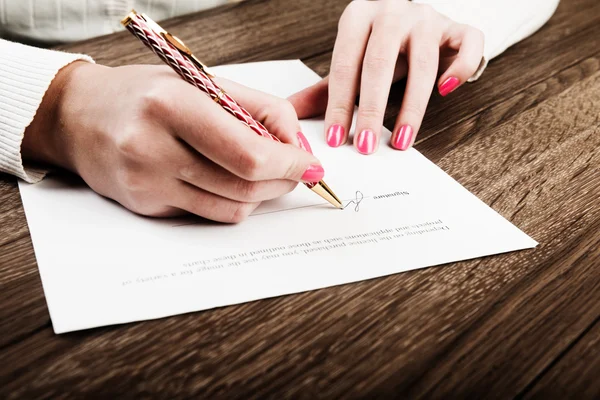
[
  {"x": 387, "y": 20},
  {"x": 414, "y": 110},
  {"x": 471, "y": 34},
  {"x": 130, "y": 180},
  {"x": 370, "y": 111},
  {"x": 422, "y": 61},
  {"x": 342, "y": 69},
  {"x": 239, "y": 212},
  {"x": 248, "y": 190},
  {"x": 377, "y": 62},
  {"x": 480, "y": 37},
  {"x": 140, "y": 204},
  {"x": 251, "y": 165},
  {"x": 131, "y": 144},
  {"x": 465, "y": 67},
  {"x": 476, "y": 33},
  {"x": 370, "y": 116},
  {"x": 191, "y": 172},
  {"x": 428, "y": 30},
  {"x": 137, "y": 207},
  {"x": 153, "y": 102},
  {"x": 290, "y": 187},
  {"x": 282, "y": 108},
  {"x": 426, "y": 11},
  {"x": 340, "y": 110},
  {"x": 352, "y": 12},
  {"x": 292, "y": 170},
  {"x": 286, "y": 108}
]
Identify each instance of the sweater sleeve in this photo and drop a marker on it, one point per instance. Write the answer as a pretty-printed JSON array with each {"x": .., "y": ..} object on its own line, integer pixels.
[
  {"x": 503, "y": 22},
  {"x": 25, "y": 75}
]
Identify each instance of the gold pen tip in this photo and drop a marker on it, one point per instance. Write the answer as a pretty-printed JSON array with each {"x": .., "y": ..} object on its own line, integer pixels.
[{"x": 325, "y": 192}]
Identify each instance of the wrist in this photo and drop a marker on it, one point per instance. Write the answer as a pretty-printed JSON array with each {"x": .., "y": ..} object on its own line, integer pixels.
[{"x": 44, "y": 139}]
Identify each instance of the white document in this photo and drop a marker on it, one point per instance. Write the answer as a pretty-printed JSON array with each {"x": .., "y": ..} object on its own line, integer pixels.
[{"x": 101, "y": 264}]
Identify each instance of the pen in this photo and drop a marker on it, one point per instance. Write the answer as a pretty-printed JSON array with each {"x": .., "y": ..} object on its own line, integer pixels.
[{"x": 179, "y": 57}]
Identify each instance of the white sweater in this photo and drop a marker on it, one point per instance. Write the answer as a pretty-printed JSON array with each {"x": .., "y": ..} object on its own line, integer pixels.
[{"x": 26, "y": 72}]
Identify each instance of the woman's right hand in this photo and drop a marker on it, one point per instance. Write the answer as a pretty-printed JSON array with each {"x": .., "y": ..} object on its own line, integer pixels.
[{"x": 145, "y": 138}]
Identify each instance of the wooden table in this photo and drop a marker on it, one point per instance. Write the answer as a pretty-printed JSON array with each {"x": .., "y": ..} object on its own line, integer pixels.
[{"x": 525, "y": 139}]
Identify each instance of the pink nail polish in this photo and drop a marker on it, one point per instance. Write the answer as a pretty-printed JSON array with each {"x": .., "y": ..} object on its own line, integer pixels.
[
  {"x": 366, "y": 141},
  {"x": 314, "y": 173},
  {"x": 449, "y": 85},
  {"x": 403, "y": 138},
  {"x": 304, "y": 142},
  {"x": 335, "y": 135}
]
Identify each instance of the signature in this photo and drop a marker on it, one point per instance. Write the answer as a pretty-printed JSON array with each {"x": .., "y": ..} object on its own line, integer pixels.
[{"x": 359, "y": 198}]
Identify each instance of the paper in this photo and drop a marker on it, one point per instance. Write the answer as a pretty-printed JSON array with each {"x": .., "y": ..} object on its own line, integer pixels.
[{"x": 101, "y": 264}]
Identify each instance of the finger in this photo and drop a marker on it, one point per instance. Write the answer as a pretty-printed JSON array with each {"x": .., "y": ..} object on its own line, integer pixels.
[
  {"x": 229, "y": 143},
  {"x": 468, "y": 41},
  {"x": 198, "y": 171},
  {"x": 277, "y": 114},
  {"x": 378, "y": 70},
  {"x": 312, "y": 101},
  {"x": 209, "y": 205},
  {"x": 348, "y": 53},
  {"x": 423, "y": 57}
]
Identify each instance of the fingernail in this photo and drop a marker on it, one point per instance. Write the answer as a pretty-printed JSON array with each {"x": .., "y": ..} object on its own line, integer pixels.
[
  {"x": 335, "y": 135},
  {"x": 366, "y": 141},
  {"x": 403, "y": 137},
  {"x": 449, "y": 85},
  {"x": 304, "y": 142},
  {"x": 314, "y": 173}
]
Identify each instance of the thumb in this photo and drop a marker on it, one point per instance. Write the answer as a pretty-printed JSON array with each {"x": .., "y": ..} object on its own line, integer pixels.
[{"x": 312, "y": 101}]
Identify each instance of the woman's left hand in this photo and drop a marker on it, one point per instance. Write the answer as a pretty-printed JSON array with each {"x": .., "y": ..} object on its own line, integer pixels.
[{"x": 378, "y": 43}]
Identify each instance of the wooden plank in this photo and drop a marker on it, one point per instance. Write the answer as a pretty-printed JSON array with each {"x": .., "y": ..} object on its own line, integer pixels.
[
  {"x": 524, "y": 330},
  {"x": 576, "y": 372},
  {"x": 12, "y": 218},
  {"x": 24, "y": 307}
]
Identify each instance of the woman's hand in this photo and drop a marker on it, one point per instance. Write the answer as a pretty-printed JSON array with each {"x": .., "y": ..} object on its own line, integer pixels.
[
  {"x": 145, "y": 138},
  {"x": 378, "y": 43}
]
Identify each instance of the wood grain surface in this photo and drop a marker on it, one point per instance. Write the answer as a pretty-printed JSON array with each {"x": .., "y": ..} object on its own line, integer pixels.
[{"x": 525, "y": 139}]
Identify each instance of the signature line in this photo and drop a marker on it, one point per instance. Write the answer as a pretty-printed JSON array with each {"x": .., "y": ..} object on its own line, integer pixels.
[{"x": 356, "y": 201}]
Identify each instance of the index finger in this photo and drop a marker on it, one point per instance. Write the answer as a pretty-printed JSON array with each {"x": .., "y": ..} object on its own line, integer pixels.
[
  {"x": 348, "y": 53},
  {"x": 220, "y": 137}
]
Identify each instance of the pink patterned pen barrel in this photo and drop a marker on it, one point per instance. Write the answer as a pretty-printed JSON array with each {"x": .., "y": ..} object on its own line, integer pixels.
[{"x": 191, "y": 73}]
